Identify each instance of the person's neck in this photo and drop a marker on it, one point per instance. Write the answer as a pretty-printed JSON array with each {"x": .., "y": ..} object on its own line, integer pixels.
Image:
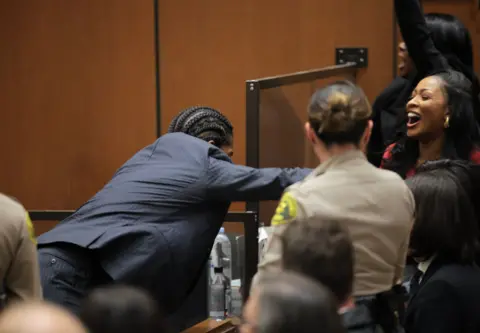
[
  {"x": 325, "y": 154},
  {"x": 430, "y": 150}
]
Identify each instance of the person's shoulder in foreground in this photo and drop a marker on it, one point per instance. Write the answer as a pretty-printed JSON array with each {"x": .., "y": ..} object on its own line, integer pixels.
[
  {"x": 18, "y": 257},
  {"x": 11, "y": 210},
  {"x": 39, "y": 317}
]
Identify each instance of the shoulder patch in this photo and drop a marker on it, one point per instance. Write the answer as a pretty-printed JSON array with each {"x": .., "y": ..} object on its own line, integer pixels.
[
  {"x": 31, "y": 229},
  {"x": 286, "y": 210}
]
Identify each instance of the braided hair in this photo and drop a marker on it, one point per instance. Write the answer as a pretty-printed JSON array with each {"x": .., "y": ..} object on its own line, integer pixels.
[{"x": 205, "y": 123}]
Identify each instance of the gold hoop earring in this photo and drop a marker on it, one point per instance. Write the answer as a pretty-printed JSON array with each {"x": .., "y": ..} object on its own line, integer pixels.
[{"x": 446, "y": 124}]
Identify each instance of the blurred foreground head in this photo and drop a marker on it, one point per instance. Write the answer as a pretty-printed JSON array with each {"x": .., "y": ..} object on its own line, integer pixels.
[
  {"x": 121, "y": 309},
  {"x": 38, "y": 317},
  {"x": 285, "y": 302}
]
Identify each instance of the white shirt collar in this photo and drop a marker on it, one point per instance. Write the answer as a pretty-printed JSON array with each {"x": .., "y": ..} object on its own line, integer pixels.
[{"x": 423, "y": 265}]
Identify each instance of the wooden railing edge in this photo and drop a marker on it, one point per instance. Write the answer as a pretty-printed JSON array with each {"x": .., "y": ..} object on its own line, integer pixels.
[{"x": 211, "y": 326}]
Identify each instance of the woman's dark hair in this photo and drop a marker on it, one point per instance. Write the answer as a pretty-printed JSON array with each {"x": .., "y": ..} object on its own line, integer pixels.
[
  {"x": 205, "y": 123},
  {"x": 121, "y": 309},
  {"x": 339, "y": 113},
  {"x": 289, "y": 302},
  {"x": 445, "y": 222},
  {"x": 465, "y": 173},
  {"x": 452, "y": 39},
  {"x": 461, "y": 136}
]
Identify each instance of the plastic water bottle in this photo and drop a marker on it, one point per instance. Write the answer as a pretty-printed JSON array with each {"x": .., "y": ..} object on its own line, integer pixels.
[
  {"x": 218, "y": 289},
  {"x": 262, "y": 242},
  {"x": 221, "y": 262},
  {"x": 225, "y": 252}
]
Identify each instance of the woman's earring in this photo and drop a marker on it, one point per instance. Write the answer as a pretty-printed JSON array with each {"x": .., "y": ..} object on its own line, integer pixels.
[{"x": 446, "y": 124}]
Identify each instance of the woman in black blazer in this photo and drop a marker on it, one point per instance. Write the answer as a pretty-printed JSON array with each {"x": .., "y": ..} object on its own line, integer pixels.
[
  {"x": 433, "y": 43},
  {"x": 445, "y": 291}
]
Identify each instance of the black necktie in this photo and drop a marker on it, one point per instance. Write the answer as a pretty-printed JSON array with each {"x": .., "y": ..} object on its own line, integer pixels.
[{"x": 415, "y": 282}]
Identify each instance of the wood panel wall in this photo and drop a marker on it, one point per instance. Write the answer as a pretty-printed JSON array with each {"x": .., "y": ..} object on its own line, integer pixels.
[{"x": 77, "y": 95}]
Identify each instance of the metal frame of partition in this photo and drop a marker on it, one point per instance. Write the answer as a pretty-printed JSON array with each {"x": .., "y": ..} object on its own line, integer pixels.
[
  {"x": 253, "y": 90},
  {"x": 250, "y": 224}
]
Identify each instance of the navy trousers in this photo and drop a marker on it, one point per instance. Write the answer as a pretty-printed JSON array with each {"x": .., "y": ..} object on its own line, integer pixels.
[{"x": 68, "y": 273}]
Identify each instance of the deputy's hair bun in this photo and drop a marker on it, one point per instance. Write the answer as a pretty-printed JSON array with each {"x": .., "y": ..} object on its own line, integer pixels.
[
  {"x": 339, "y": 102},
  {"x": 338, "y": 108}
]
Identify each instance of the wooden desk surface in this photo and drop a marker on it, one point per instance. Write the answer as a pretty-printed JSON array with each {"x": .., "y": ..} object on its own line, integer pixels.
[{"x": 212, "y": 326}]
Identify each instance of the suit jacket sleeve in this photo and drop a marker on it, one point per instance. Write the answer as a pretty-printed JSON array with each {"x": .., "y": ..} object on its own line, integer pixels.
[
  {"x": 425, "y": 56},
  {"x": 22, "y": 280},
  {"x": 231, "y": 182},
  {"x": 436, "y": 308}
]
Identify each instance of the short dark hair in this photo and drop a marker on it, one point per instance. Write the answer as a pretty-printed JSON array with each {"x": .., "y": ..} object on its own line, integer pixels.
[
  {"x": 323, "y": 251},
  {"x": 339, "y": 113},
  {"x": 465, "y": 172},
  {"x": 445, "y": 222},
  {"x": 121, "y": 309},
  {"x": 290, "y": 302},
  {"x": 205, "y": 123}
]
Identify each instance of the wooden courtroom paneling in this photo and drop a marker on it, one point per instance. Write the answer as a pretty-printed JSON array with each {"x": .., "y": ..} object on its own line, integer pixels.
[
  {"x": 77, "y": 95},
  {"x": 209, "y": 48}
]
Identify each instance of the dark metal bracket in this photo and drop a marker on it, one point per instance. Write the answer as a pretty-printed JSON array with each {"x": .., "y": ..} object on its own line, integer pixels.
[{"x": 357, "y": 55}]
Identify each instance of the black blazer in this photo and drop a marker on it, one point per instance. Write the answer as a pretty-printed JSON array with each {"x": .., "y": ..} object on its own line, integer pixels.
[
  {"x": 386, "y": 109},
  {"x": 153, "y": 223},
  {"x": 447, "y": 300}
]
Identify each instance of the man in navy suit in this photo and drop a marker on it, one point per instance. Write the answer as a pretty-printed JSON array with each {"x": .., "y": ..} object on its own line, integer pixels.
[{"x": 154, "y": 223}]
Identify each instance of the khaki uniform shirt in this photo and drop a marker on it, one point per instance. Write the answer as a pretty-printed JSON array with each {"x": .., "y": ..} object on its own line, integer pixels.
[
  {"x": 375, "y": 206},
  {"x": 19, "y": 269}
]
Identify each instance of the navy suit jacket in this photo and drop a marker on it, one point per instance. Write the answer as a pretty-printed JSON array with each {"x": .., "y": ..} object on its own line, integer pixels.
[
  {"x": 154, "y": 223},
  {"x": 447, "y": 300}
]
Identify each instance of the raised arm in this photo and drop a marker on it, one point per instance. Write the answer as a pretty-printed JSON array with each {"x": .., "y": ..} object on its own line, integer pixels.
[
  {"x": 230, "y": 182},
  {"x": 427, "y": 59}
]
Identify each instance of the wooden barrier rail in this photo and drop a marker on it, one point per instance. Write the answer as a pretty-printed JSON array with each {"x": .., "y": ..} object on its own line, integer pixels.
[{"x": 213, "y": 326}]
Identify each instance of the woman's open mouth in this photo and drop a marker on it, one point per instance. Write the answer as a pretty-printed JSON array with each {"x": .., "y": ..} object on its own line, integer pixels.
[{"x": 413, "y": 119}]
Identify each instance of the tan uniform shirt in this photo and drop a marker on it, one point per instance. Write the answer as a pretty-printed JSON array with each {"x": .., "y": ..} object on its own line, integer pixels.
[
  {"x": 375, "y": 205},
  {"x": 19, "y": 270}
]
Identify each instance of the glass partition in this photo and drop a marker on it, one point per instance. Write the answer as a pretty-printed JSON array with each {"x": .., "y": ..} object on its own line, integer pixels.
[{"x": 276, "y": 114}]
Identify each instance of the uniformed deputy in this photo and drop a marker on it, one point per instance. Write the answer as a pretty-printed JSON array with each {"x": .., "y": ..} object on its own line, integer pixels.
[
  {"x": 19, "y": 273},
  {"x": 376, "y": 206},
  {"x": 154, "y": 223}
]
